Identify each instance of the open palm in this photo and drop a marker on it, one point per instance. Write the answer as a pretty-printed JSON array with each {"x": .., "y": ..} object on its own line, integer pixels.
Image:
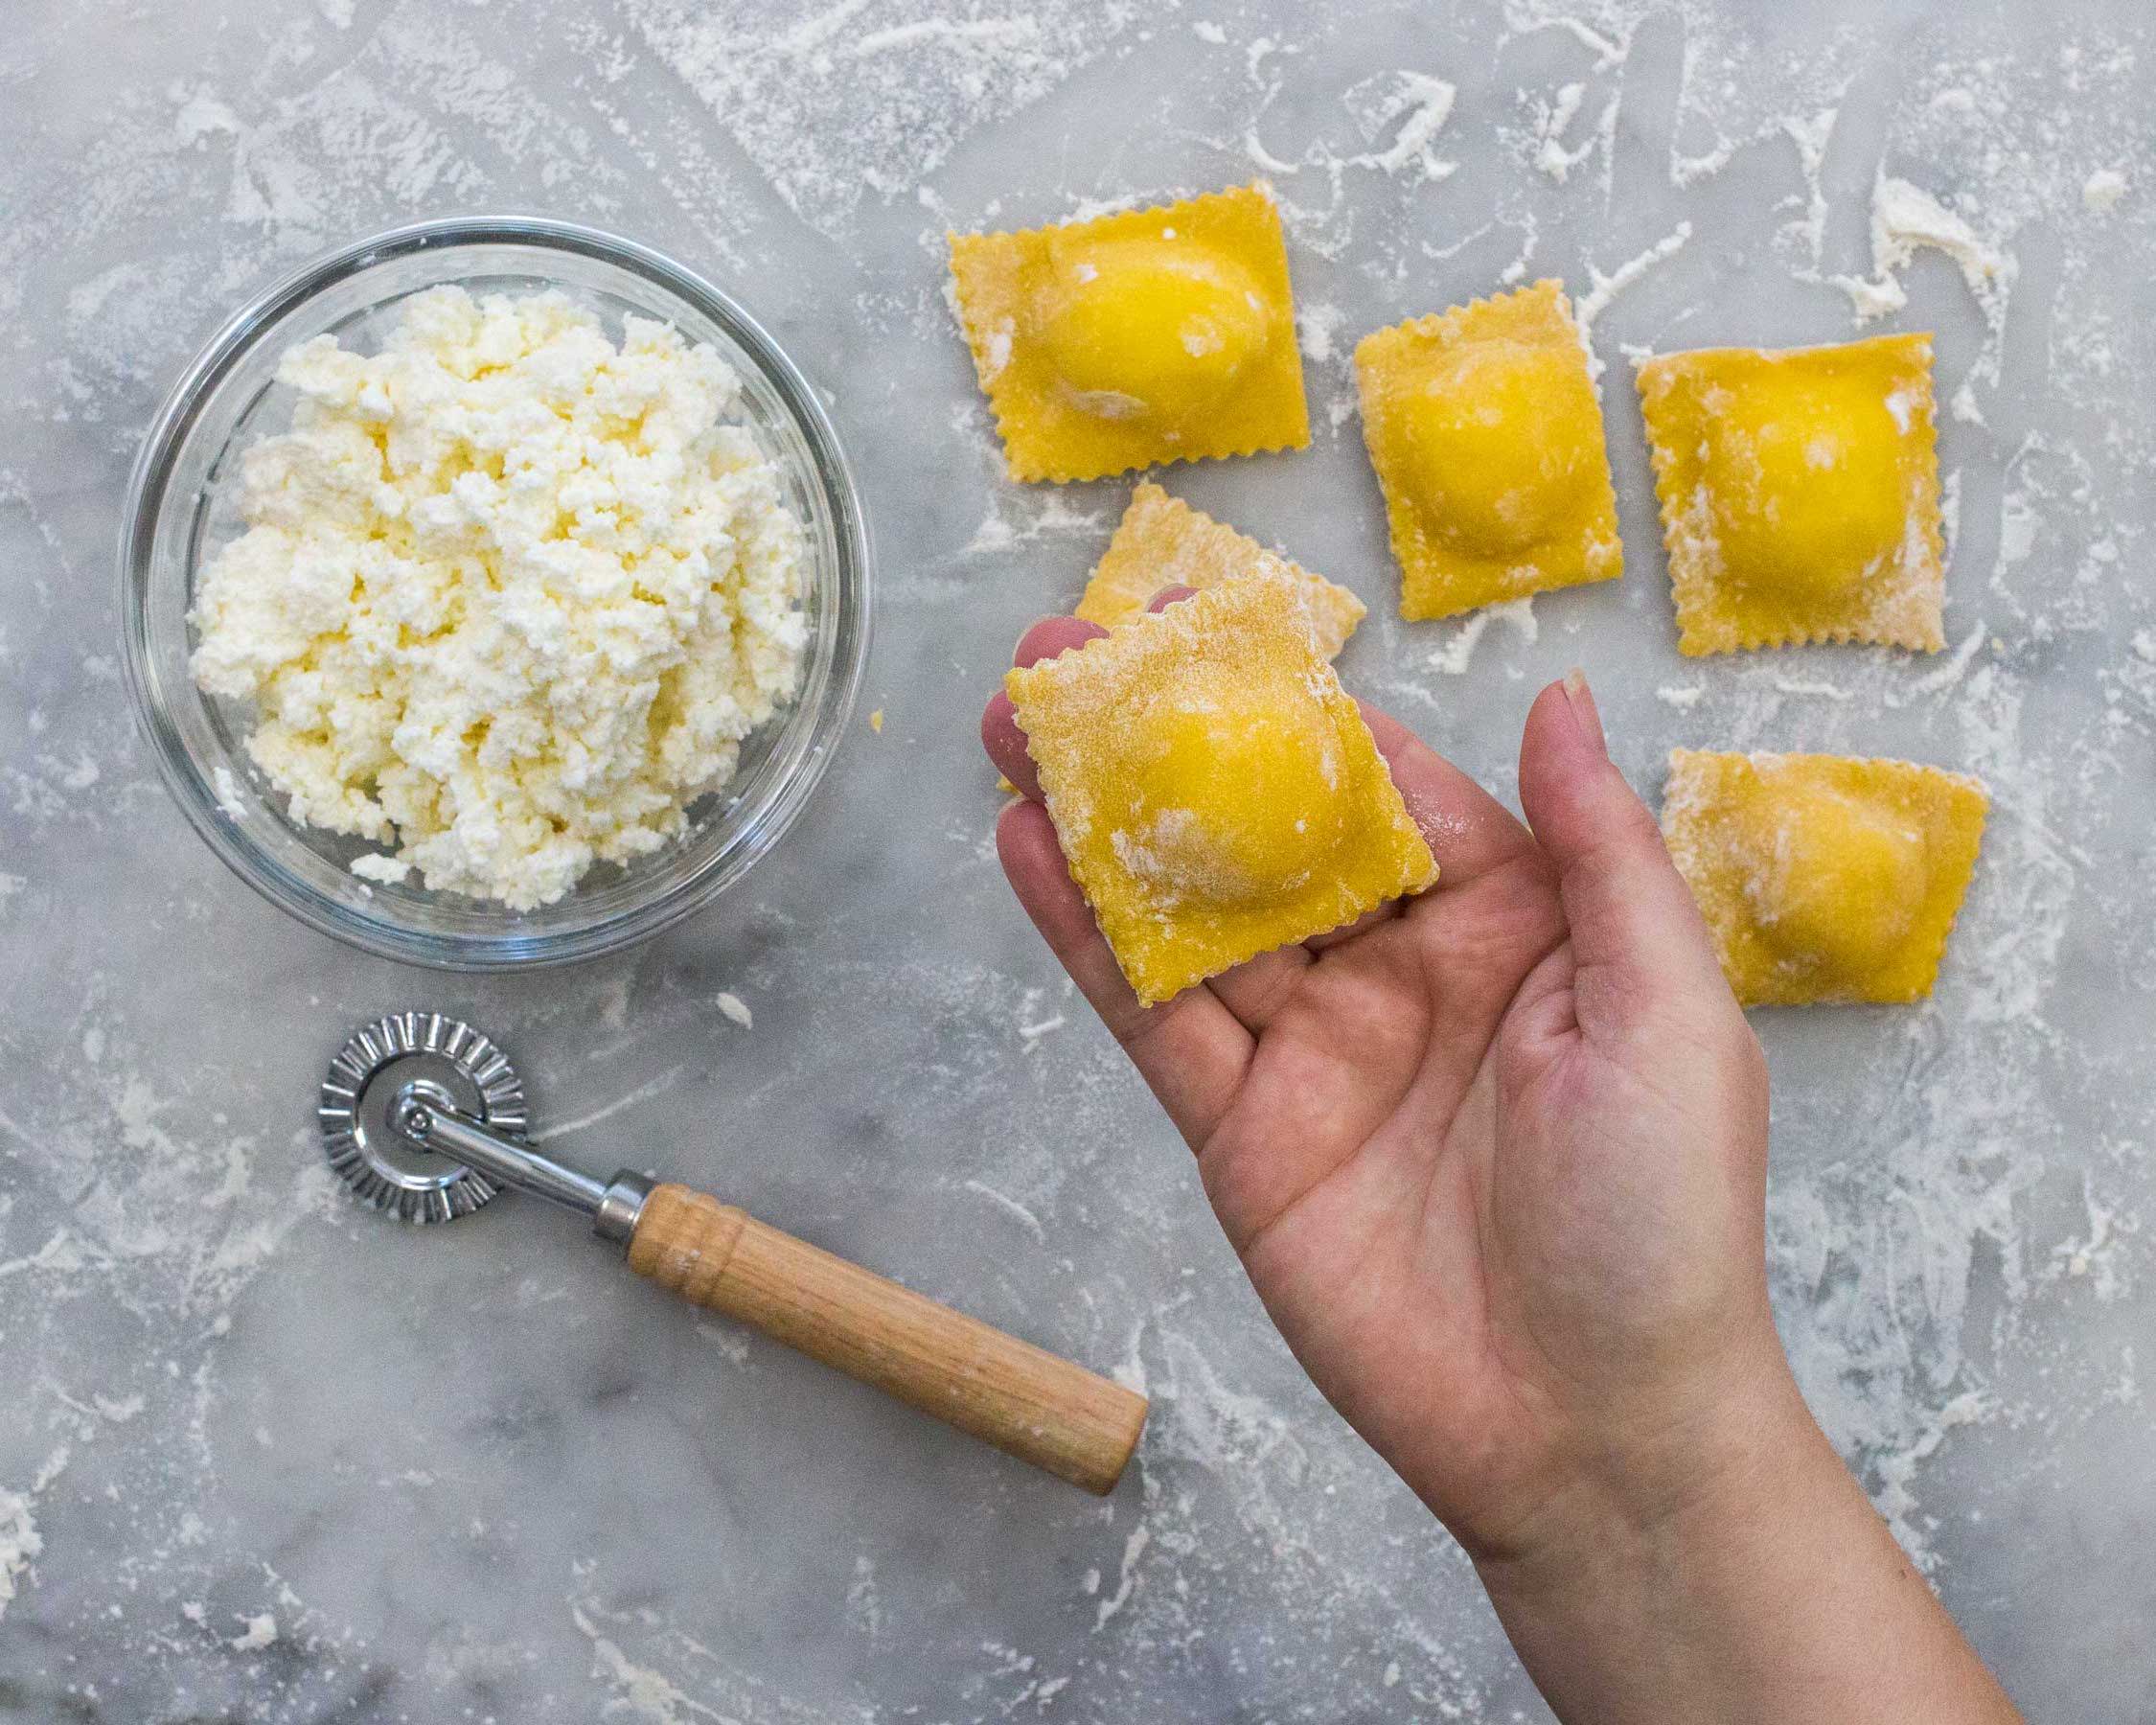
[{"x": 1493, "y": 1157}]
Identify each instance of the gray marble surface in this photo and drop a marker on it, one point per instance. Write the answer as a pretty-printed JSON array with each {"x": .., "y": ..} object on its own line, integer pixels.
[{"x": 265, "y": 1457}]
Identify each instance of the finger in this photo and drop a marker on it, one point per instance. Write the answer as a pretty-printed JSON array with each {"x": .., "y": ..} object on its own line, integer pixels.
[
  {"x": 1467, "y": 829},
  {"x": 1051, "y": 638},
  {"x": 1190, "y": 1050},
  {"x": 1255, "y": 990},
  {"x": 1361, "y": 925},
  {"x": 1637, "y": 934},
  {"x": 1005, "y": 743},
  {"x": 999, "y": 734}
]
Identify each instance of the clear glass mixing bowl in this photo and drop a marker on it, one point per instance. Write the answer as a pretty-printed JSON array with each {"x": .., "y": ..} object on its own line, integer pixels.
[{"x": 183, "y": 506}]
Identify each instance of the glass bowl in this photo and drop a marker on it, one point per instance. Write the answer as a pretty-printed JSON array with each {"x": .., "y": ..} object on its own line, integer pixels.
[{"x": 183, "y": 507}]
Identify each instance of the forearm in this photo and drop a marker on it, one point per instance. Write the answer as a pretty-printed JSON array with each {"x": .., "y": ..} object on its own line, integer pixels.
[{"x": 1775, "y": 1597}]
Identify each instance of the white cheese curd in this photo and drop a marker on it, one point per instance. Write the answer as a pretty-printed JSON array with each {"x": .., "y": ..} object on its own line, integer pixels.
[{"x": 509, "y": 596}]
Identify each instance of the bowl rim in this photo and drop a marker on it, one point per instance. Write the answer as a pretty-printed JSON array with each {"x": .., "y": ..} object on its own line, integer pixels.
[{"x": 149, "y": 484}]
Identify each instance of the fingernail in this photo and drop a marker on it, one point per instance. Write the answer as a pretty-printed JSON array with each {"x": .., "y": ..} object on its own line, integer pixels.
[
  {"x": 1044, "y": 617},
  {"x": 1581, "y": 700}
]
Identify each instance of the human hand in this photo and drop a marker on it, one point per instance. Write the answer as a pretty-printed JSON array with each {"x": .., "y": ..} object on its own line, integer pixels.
[{"x": 1495, "y": 1159}]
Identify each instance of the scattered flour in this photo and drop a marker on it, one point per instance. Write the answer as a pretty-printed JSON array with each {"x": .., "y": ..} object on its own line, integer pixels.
[
  {"x": 1608, "y": 37},
  {"x": 1018, "y": 520},
  {"x": 1399, "y": 114},
  {"x": 1603, "y": 288},
  {"x": 835, "y": 103},
  {"x": 1416, "y": 106},
  {"x": 641, "y": 1093},
  {"x": 1517, "y": 615},
  {"x": 1318, "y": 328},
  {"x": 1127, "y": 1578},
  {"x": 20, "y": 1543},
  {"x": 1551, "y": 157},
  {"x": 1811, "y": 134},
  {"x": 1011, "y": 1206},
  {"x": 1809, "y": 685},
  {"x": 1944, "y": 675},
  {"x": 2097, "y": 1256},
  {"x": 2102, "y": 190},
  {"x": 1905, "y": 218},
  {"x": 200, "y": 116},
  {"x": 640, "y": 1692}
]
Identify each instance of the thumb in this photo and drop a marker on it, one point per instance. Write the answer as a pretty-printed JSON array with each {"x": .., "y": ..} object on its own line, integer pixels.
[{"x": 1640, "y": 945}]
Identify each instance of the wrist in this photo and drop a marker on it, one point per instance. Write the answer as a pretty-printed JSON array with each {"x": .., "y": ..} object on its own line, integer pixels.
[
  {"x": 1752, "y": 1580},
  {"x": 1687, "y": 1507},
  {"x": 1684, "y": 1460}
]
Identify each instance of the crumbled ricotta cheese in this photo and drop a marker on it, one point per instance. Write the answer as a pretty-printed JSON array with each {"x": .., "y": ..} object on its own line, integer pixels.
[
  {"x": 374, "y": 867},
  {"x": 509, "y": 596}
]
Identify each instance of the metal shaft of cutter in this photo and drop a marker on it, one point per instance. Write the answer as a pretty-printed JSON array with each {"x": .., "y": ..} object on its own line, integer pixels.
[{"x": 614, "y": 1207}]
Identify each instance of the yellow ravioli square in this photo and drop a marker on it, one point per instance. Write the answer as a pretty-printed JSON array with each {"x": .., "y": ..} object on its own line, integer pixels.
[
  {"x": 1487, "y": 439},
  {"x": 1823, "y": 877},
  {"x": 1149, "y": 336},
  {"x": 1215, "y": 790},
  {"x": 1800, "y": 493},
  {"x": 1162, "y": 541}
]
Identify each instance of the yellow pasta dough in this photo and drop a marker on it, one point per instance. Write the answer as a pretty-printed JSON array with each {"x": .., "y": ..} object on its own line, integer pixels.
[
  {"x": 1823, "y": 877},
  {"x": 1487, "y": 439},
  {"x": 1800, "y": 493},
  {"x": 1149, "y": 336},
  {"x": 1162, "y": 541},
  {"x": 1215, "y": 790}
]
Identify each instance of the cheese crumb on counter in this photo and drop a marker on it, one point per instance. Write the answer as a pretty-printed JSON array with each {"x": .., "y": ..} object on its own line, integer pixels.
[{"x": 509, "y": 597}]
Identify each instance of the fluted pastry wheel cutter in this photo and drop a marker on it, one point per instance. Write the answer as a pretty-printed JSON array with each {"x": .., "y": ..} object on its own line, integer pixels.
[{"x": 424, "y": 1116}]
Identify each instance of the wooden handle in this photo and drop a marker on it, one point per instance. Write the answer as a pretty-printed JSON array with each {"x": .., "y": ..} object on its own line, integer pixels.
[{"x": 1022, "y": 1399}]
